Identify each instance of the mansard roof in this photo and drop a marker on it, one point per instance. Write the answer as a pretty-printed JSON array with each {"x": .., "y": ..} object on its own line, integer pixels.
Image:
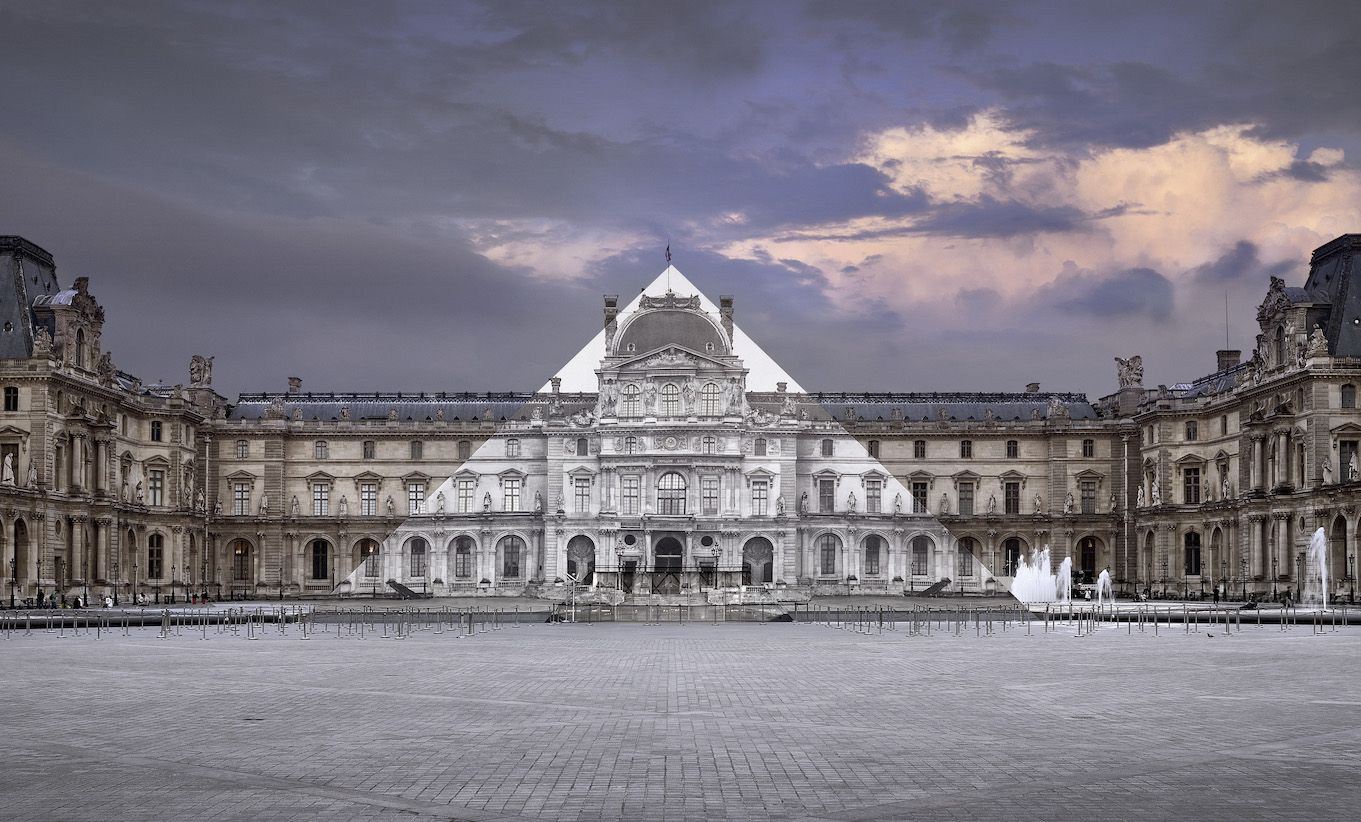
[
  {"x": 955, "y": 405},
  {"x": 327, "y": 406}
]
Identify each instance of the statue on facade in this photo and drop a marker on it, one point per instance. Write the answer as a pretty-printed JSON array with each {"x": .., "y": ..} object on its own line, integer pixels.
[
  {"x": 486, "y": 503},
  {"x": 1039, "y": 504},
  {"x": 803, "y": 503},
  {"x": 1130, "y": 372},
  {"x": 649, "y": 398},
  {"x": 779, "y": 505},
  {"x": 33, "y": 477},
  {"x": 217, "y": 507},
  {"x": 105, "y": 370},
  {"x": 1352, "y": 470},
  {"x": 788, "y": 406},
  {"x": 264, "y": 504},
  {"x": 200, "y": 501},
  {"x": 1318, "y": 343},
  {"x": 200, "y": 371},
  {"x": 1226, "y": 493},
  {"x": 1327, "y": 472},
  {"x": 850, "y": 502},
  {"x": 538, "y": 502},
  {"x": 391, "y": 507},
  {"x": 137, "y": 495},
  {"x": 688, "y": 394},
  {"x": 897, "y": 503},
  {"x": 292, "y": 507},
  {"x": 7, "y": 473},
  {"x": 439, "y": 503},
  {"x": 992, "y": 503},
  {"x": 1206, "y": 494},
  {"x": 944, "y": 504},
  {"x": 344, "y": 508},
  {"x": 1068, "y": 503},
  {"x": 1157, "y": 495},
  {"x": 1115, "y": 504},
  {"x": 1140, "y": 499}
]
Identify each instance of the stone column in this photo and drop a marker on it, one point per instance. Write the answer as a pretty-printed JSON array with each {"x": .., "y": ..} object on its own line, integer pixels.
[{"x": 1255, "y": 468}]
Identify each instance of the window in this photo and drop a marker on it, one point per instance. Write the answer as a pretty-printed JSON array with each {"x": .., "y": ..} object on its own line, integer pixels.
[
  {"x": 1089, "y": 448},
  {"x": 708, "y": 400},
  {"x": 80, "y": 347},
  {"x": 465, "y": 495},
  {"x": 919, "y": 449},
  {"x": 368, "y": 499},
  {"x": 630, "y": 445},
  {"x": 1088, "y": 496},
  {"x": 874, "y": 448},
  {"x": 417, "y": 450},
  {"x": 370, "y": 450},
  {"x": 670, "y": 400},
  {"x": 11, "y": 398},
  {"x": 758, "y": 448},
  {"x": 1192, "y": 554},
  {"x": 671, "y": 495},
  {"x": 629, "y": 497},
  {"x": 465, "y": 449},
  {"x": 155, "y": 487},
  {"x": 872, "y": 552},
  {"x": 966, "y": 499},
  {"x": 321, "y": 564},
  {"x": 760, "y": 496},
  {"x": 919, "y": 498},
  {"x": 155, "y": 556},
  {"x": 240, "y": 560},
  {"x": 966, "y": 449},
  {"x": 582, "y": 486},
  {"x": 967, "y": 547},
  {"x": 921, "y": 546},
  {"x": 512, "y": 551},
  {"x": 583, "y": 447},
  {"x": 1348, "y": 397},
  {"x": 827, "y": 449},
  {"x": 1011, "y": 495},
  {"x": 1013, "y": 449},
  {"x": 708, "y": 494},
  {"x": 321, "y": 499},
  {"x": 709, "y": 445},
  {"x": 241, "y": 499},
  {"x": 155, "y": 430},
  {"x": 368, "y": 550},
  {"x": 1011, "y": 553},
  {"x": 1346, "y": 452},
  {"x": 463, "y": 557},
  {"x": 512, "y": 448},
  {"x": 826, "y": 496},
  {"x": 415, "y": 497},
  {"x": 418, "y": 554},
  {"x": 1192, "y": 431},
  {"x": 828, "y": 547},
  {"x": 242, "y": 449},
  {"x": 1191, "y": 485},
  {"x": 874, "y": 491},
  {"x": 510, "y": 487},
  {"x": 320, "y": 450},
  {"x": 629, "y": 405}
]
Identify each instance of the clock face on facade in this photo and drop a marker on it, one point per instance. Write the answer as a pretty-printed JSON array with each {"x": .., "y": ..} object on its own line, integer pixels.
[{"x": 670, "y": 442}]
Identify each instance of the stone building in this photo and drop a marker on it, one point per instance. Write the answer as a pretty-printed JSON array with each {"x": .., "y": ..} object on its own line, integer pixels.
[{"x": 685, "y": 464}]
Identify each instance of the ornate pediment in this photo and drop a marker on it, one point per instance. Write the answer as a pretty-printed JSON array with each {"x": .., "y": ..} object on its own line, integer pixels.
[
  {"x": 1273, "y": 308},
  {"x": 669, "y": 300}
]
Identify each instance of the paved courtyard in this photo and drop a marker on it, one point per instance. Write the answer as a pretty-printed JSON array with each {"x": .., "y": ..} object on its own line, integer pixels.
[{"x": 682, "y": 722}]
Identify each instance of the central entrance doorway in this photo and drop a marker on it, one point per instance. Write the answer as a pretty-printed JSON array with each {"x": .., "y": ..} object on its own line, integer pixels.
[{"x": 668, "y": 554}]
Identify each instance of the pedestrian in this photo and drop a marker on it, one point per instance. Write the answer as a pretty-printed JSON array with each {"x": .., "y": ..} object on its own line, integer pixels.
[
  {"x": 40, "y": 597},
  {"x": 1216, "y": 589}
]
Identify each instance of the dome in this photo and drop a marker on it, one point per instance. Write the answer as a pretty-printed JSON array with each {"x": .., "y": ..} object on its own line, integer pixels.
[{"x": 658, "y": 328}]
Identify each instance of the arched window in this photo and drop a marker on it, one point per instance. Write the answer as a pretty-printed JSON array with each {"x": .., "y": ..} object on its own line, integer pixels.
[
  {"x": 581, "y": 558},
  {"x": 80, "y": 347},
  {"x": 968, "y": 549},
  {"x": 1280, "y": 345},
  {"x": 921, "y": 549},
  {"x": 1192, "y": 541},
  {"x": 671, "y": 495},
  {"x": 1349, "y": 396},
  {"x": 709, "y": 400},
  {"x": 670, "y": 400},
  {"x": 240, "y": 557},
  {"x": 582, "y": 447},
  {"x": 463, "y": 557},
  {"x": 629, "y": 404},
  {"x": 320, "y": 553},
  {"x": 1011, "y": 556},
  {"x": 512, "y": 550},
  {"x": 418, "y": 548},
  {"x": 155, "y": 556},
  {"x": 829, "y": 545},
  {"x": 873, "y": 550},
  {"x": 367, "y": 550}
]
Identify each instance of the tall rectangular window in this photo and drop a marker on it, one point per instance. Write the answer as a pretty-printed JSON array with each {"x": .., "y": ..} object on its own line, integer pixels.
[
  {"x": 466, "y": 488},
  {"x": 417, "y": 450},
  {"x": 965, "y": 562},
  {"x": 155, "y": 430},
  {"x": 321, "y": 499},
  {"x": 826, "y": 495},
  {"x": 872, "y": 556},
  {"x": 241, "y": 499},
  {"x": 242, "y": 449},
  {"x": 1013, "y": 449},
  {"x": 1191, "y": 485},
  {"x": 511, "y": 494},
  {"x": 1346, "y": 451},
  {"x": 966, "y": 449},
  {"x": 155, "y": 487},
  {"x": 827, "y": 448},
  {"x": 760, "y": 493},
  {"x": 11, "y": 398},
  {"x": 321, "y": 566},
  {"x": 465, "y": 449},
  {"x": 320, "y": 449},
  {"x": 1192, "y": 431},
  {"x": 919, "y": 449},
  {"x": 874, "y": 490},
  {"x": 370, "y": 449},
  {"x": 155, "y": 557},
  {"x": 827, "y": 545},
  {"x": 966, "y": 499},
  {"x": 1089, "y": 448},
  {"x": 874, "y": 448},
  {"x": 582, "y": 485},
  {"x": 415, "y": 497},
  {"x": 919, "y": 498},
  {"x": 708, "y": 494},
  {"x": 758, "y": 448},
  {"x": 1012, "y": 498},
  {"x": 1089, "y": 496},
  {"x": 368, "y": 499},
  {"x": 630, "y": 492},
  {"x": 512, "y": 448}
]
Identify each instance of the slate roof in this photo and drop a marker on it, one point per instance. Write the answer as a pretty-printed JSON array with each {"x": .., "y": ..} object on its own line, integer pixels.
[
  {"x": 378, "y": 406},
  {"x": 957, "y": 406}
]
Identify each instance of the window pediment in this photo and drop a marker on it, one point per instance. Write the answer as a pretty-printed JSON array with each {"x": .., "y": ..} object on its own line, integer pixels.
[
  {"x": 12, "y": 432},
  {"x": 320, "y": 476},
  {"x": 1191, "y": 461},
  {"x": 579, "y": 471},
  {"x": 415, "y": 476},
  {"x": 241, "y": 476}
]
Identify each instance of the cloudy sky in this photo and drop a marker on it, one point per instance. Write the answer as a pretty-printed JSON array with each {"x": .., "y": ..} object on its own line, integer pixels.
[{"x": 901, "y": 194}]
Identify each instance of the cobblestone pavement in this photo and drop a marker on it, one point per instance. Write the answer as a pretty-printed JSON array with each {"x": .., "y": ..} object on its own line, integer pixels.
[{"x": 682, "y": 722}]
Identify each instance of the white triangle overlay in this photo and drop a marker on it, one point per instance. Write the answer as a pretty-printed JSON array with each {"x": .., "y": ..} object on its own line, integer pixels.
[{"x": 580, "y": 371}]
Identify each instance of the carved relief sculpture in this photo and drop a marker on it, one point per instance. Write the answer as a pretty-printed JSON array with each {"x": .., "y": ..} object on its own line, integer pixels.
[
  {"x": 1130, "y": 371},
  {"x": 200, "y": 371}
]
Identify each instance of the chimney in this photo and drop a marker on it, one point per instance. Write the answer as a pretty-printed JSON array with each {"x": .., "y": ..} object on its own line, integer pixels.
[
  {"x": 557, "y": 384},
  {"x": 725, "y": 312},
  {"x": 781, "y": 387},
  {"x": 1228, "y": 358},
  {"x": 611, "y": 308},
  {"x": 294, "y": 385}
]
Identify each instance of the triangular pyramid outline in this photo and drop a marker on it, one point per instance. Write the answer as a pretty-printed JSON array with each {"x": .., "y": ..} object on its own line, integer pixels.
[{"x": 582, "y": 366}]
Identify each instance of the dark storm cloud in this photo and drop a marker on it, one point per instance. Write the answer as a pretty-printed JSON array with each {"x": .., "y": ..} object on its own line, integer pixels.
[
  {"x": 962, "y": 25},
  {"x": 1134, "y": 292},
  {"x": 1240, "y": 263}
]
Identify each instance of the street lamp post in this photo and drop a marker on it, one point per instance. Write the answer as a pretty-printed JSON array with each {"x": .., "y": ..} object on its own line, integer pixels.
[
  {"x": 1299, "y": 579},
  {"x": 203, "y": 579},
  {"x": 219, "y": 583},
  {"x": 1273, "y": 578},
  {"x": 1224, "y": 576},
  {"x": 13, "y": 579},
  {"x": 117, "y": 580},
  {"x": 135, "y": 592},
  {"x": 172, "y": 584},
  {"x": 1351, "y": 576},
  {"x": 1164, "y": 578},
  {"x": 85, "y": 577}
]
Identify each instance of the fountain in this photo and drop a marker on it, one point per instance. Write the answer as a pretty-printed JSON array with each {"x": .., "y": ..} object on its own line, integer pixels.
[
  {"x": 1104, "y": 591},
  {"x": 1036, "y": 582},
  {"x": 1314, "y": 586}
]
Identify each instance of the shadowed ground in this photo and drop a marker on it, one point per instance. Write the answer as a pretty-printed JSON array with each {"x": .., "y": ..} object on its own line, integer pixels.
[{"x": 636, "y": 722}]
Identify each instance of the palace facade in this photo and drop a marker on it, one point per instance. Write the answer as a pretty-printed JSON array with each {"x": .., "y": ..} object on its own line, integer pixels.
[{"x": 677, "y": 475}]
